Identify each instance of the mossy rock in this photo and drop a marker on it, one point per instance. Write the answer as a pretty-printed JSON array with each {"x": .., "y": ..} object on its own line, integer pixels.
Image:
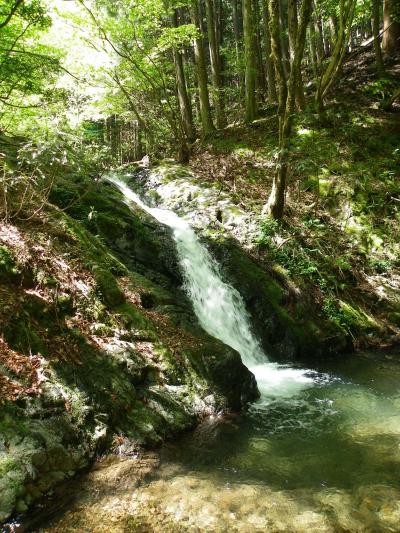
[
  {"x": 106, "y": 282},
  {"x": 9, "y": 271}
]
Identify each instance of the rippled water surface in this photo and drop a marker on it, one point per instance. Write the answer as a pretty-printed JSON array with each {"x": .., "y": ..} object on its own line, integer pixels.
[{"x": 326, "y": 459}]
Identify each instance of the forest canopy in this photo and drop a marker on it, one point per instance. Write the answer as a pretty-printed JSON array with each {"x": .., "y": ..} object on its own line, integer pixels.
[{"x": 160, "y": 77}]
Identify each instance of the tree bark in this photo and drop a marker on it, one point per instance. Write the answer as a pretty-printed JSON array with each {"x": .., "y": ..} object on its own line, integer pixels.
[
  {"x": 313, "y": 53},
  {"x": 271, "y": 81},
  {"x": 380, "y": 67},
  {"x": 236, "y": 28},
  {"x": 284, "y": 38},
  {"x": 287, "y": 97},
  {"x": 250, "y": 61},
  {"x": 185, "y": 105},
  {"x": 333, "y": 68},
  {"x": 202, "y": 79},
  {"x": 391, "y": 27},
  {"x": 215, "y": 64},
  {"x": 318, "y": 39},
  {"x": 293, "y": 27},
  {"x": 261, "y": 75}
]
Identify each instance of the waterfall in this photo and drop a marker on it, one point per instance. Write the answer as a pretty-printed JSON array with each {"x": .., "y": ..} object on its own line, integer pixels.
[{"x": 218, "y": 306}]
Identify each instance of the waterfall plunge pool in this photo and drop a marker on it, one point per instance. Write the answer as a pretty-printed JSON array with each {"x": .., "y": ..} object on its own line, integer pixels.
[{"x": 325, "y": 459}]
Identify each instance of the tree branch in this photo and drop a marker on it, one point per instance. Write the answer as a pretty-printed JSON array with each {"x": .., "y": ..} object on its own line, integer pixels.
[{"x": 11, "y": 13}]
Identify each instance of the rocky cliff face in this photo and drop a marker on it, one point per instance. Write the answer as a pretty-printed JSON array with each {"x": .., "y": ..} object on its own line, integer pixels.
[{"x": 99, "y": 347}]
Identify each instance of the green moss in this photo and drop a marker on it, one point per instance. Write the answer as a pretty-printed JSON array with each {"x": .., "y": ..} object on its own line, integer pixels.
[
  {"x": 135, "y": 319},
  {"x": 108, "y": 287},
  {"x": 9, "y": 271},
  {"x": 357, "y": 317}
]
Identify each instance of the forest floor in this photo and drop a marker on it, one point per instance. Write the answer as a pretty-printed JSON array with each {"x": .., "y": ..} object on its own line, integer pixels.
[{"x": 340, "y": 238}]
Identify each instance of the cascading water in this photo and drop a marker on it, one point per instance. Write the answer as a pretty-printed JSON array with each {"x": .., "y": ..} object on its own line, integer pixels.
[{"x": 218, "y": 306}]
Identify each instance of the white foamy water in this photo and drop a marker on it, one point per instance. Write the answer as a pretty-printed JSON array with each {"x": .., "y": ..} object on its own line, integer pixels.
[{"x": 218, "y": 306}]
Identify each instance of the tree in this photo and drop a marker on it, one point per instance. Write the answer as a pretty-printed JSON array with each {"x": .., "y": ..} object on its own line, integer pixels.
[
  {"x": 185, "y": 105},
  {"x": 293, "y": 28},
  {"x": 271, "y": 80},
  {"x": 332, "y": 70},
  {"x": 146, "y": 40},
  {"x": 287, "y": 96},
  {"x": 391, "y": 26},
  {"x": 250, "y": 50},
  {"x": 215, "y": 59},
  {"x": 201, "y": 69},
  {"x": 9, "y": 12},
  {"x": 26, "y": 67},
  {"x": 376, "y": 8},
  {"x": 236, "y": 29}
]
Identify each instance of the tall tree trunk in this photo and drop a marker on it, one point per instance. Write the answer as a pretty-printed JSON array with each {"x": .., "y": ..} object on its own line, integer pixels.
[
  {"x": 319, "y": 41},
  {"x": 325, "y": 38},
  {"x": 271, "y": 81},
  {"x": 219, "y": 16},
  {"x": 284, "y": 37},
  {"x": 202, "y": 80},
  {"x": 261, "y": 75},
  {"x": 313, "y": 53},
  {"x": 236, "y": 29},
  {"x": 328, "y": 77},
  {"x": 215, "y": 64},
  {"x": 391, "y": 27},
  {"x": 185, "y": 105},
  {"x": 250, "y": 48},
  {"x": 333, "y": 30},
  {"x": 287, "y": 97},
  {"x": 293, "y": 26},
  {"x": 380, "y": 67}
]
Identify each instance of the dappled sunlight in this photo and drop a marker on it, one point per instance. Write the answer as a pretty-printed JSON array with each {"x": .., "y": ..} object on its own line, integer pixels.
[{"x": 199, "y": 243}]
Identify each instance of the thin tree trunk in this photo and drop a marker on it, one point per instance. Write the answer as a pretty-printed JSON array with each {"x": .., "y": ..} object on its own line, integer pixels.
[
  {"x": 250, "y": 61},
  {"x": 202, "y": 80},
  {"x": 325, "y": 39},
  {"x": 183, "y": 97},
  {"x": 287, "y": 97},
  {"x": 236, "y": 29},
  {"x": 271, "y": 81},
  {"x": 380, "y": 67},
  {"x": 284, "y": 39},
  {"x": 293, "y": 26},
  {"x": 333, "y": 30},
  {"x": 261, "y": 77},
  {"x": 319, "y": 42},
  {"x": 335, "y": 63},
  {"x": 313, "y": 53},
  {"x": 215, "y": 64}
]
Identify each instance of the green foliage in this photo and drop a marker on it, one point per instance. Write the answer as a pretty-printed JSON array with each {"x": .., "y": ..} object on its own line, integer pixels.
[
  {"x": 336, "y": 314},
  {"x": 286, "y": 251},
  {"x": 26, "y": 65},
  {"x": 177, "y": 37},
  {"x": 382, "y": 88},
  {"x": 8, "y": 269}
]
